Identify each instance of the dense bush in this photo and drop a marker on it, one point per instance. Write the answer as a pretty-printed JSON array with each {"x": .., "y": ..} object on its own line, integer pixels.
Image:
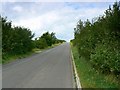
[
  {"x": 15, "y": 40},
  {"x": 41, "y": 43},
  {"x": 99, "y": 41},
  {"x": 47, "y": 39},
  {"x": 18, "y": 40}
]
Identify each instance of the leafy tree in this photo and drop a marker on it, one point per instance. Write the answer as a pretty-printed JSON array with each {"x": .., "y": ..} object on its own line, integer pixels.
[
  {"x": 99, "y": 41},
  {"x": 41, "y": 43},
  {"x": 15, "y": 40},
  {"x": 22, "y": 42},
  {"x": 47, "y": 39},
  {"x": 6, "y": 35}
]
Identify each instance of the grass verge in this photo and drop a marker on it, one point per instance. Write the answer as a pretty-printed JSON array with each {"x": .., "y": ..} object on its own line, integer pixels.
[
  {"x": 11, "y": 58},
  {"x": 89, "y": 77}
]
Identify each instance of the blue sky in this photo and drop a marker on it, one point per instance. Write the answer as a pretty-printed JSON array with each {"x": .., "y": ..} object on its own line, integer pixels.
[{"x": 58, "y": 17}]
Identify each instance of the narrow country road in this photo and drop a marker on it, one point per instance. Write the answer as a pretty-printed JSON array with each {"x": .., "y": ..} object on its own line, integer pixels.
[{"x": 48, "y": 69}]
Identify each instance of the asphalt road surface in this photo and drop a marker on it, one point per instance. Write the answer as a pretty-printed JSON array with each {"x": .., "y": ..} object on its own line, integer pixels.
[{"x": 48, "y": 69}]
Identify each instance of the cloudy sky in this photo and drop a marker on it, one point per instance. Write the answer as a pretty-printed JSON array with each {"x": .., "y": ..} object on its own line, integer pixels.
[{"x": 58, "y": 17}]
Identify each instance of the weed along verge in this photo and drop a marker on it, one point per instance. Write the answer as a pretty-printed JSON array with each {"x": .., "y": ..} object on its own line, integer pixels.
[{"x": 76, "y": 77}]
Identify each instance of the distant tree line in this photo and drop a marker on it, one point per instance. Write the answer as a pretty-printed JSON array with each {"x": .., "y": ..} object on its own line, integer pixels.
[
  {"x": 47, "y": 39},
  {"x": 19, "y": 40},
  {"x": 98, "y": 41}
]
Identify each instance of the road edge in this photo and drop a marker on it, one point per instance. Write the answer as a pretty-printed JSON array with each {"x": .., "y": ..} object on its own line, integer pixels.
[{"x": 77, "y": 80}]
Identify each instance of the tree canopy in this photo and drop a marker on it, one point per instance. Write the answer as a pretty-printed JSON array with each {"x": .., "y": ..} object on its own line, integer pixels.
[
  {"x": 19, "y": 40},
  {"x": 15, "y": 39},
  {"x": 99, "y": 41},
  {"x": 47, "y": 39}
]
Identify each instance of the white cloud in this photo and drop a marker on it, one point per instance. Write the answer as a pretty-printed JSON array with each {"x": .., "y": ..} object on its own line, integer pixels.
[
  {"x": 58, "y": 0},
  {"x": 60, "y": 20},
  {"x": 9, "y": 0},
  {"x": 1, "y": 8},
  {"x": 18, "y": 8},
  {"x": 38, "y": 22}
]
